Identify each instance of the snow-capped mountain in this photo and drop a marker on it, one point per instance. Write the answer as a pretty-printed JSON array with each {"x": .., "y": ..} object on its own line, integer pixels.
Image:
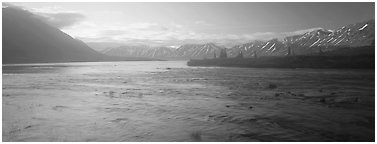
[
  {"x": 271, "y": 47},
  {"x": 186, "y": 51},
  {"x": 354, "y": 35},
  {"x": 198, "y": 50},
  {"x": 141, "y": 51}
]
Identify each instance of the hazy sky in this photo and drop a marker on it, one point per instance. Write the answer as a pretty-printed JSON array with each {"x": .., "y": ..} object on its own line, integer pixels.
[{"x": 177, "y": 23}]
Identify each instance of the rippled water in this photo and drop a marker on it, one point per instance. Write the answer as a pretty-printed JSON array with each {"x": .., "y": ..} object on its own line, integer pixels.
[{"x": 168, "y": 101}]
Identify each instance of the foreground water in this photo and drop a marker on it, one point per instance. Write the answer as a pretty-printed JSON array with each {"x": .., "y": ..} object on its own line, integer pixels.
[{"x": 168, "y": 101}]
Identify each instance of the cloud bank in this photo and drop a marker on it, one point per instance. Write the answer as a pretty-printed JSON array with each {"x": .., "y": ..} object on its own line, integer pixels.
[
  {"x": 55, "y": 16},
  {"x": 61, "y": 20},
  {"x": 58, "y": 17}
]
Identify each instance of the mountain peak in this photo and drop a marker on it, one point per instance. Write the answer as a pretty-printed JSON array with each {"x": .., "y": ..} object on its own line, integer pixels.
[{"x": 28, "y": 39}]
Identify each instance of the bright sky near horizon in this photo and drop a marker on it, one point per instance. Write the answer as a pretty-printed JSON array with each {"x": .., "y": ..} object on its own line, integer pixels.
[{"x": 172, "y": 24}]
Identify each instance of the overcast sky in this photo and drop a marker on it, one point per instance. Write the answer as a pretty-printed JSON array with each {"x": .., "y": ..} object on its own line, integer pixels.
[{"x": 177, "y": 23}]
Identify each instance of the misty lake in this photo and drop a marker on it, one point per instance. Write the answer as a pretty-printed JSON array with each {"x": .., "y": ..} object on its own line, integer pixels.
[{"x": 169, "y": 101}]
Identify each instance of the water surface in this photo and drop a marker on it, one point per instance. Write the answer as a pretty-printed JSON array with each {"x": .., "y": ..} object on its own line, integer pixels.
[{"x": 169, "y": 101}]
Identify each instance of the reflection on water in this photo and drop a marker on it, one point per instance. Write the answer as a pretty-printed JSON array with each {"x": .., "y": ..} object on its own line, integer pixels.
[{"x": 168, "y": 101}]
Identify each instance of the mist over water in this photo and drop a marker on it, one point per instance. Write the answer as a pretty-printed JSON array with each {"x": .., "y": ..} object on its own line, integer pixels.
[{"x": 169, "y": 101}]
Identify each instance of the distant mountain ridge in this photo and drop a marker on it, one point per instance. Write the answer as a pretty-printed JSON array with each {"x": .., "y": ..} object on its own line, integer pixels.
[
  {"x": 186, "y": 51},
  {"x": 354, "y": 35}
]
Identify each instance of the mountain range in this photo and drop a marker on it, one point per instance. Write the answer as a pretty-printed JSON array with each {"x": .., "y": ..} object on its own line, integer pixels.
[
  {"x": 186, "y": 51},
  {"x": 318, "y": 40},
  {"x": 27, "y": 39}
]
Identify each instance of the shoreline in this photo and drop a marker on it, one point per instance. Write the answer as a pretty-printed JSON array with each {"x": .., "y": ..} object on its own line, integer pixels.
[{"x": 316, "y": 62}]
